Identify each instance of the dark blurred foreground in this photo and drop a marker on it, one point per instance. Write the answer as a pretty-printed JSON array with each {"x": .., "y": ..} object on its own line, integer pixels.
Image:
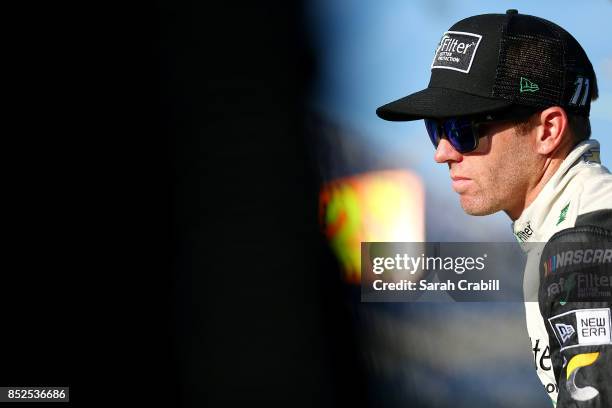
[{"x": 259, "y": 313}]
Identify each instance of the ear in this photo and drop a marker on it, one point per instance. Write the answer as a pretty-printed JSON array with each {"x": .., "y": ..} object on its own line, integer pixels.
[{"x": 550, "y": 130}]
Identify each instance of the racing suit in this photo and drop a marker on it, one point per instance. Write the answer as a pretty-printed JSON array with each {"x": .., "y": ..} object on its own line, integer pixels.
[{"x": 568, "y": 290}]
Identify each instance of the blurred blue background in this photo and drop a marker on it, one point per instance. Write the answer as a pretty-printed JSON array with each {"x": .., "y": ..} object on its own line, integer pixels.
[{"x": 371, "y": 53}]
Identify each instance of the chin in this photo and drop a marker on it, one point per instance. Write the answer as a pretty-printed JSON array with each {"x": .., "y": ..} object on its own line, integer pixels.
[{"x": 477, "y": 207}]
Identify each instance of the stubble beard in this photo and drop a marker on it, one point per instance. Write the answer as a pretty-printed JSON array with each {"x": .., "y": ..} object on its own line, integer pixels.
[
  {"x": 480, "y": 204},
  {"x": 499, "y": 191}
]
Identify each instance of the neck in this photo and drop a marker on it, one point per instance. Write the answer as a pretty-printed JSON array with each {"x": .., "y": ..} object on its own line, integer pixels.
[{"x": 535, "y": 186}]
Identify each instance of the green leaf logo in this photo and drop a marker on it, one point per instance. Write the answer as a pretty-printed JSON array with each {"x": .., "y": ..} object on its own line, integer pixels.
[{"x": 563, "y": 214}]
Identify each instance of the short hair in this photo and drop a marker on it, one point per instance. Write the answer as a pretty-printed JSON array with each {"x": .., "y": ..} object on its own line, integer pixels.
[{"x": 579, "y": 125}]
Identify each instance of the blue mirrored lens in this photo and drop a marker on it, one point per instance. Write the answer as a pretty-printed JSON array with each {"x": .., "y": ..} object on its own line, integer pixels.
[
  {"x": 433, "y": 131},
  {"x": 460, "y": 134}
]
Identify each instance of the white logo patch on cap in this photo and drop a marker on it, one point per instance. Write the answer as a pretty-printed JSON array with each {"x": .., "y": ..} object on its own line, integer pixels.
[{"x": 456, "y": 51}]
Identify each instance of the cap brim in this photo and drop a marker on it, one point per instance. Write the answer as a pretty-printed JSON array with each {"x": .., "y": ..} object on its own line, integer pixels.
[{"x": 438, "y": 103}]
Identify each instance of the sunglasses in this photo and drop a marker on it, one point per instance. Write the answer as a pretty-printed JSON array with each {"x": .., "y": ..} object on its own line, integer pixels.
[{"x": 463, "y": 133}]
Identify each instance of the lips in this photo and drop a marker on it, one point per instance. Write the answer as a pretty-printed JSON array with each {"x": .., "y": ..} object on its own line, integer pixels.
[{"x": 460, "y": 183}]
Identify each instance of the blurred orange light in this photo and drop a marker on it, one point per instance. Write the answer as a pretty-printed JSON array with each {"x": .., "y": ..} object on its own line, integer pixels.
[{"x": 381, "y": 206}]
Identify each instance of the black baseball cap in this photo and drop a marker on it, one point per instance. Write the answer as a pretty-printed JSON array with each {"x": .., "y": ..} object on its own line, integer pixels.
[{"x": 492, "y": 62}]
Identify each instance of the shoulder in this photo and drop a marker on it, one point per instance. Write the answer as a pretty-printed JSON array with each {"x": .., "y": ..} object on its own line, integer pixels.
[{"x": 587, "y": 198}]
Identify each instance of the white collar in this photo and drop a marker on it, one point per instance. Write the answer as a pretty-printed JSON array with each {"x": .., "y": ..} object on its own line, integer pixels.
[{"x": 529, "y": 226}]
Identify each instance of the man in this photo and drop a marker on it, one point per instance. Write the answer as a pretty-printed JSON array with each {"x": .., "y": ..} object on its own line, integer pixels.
[{"x": 507, "y": 110}]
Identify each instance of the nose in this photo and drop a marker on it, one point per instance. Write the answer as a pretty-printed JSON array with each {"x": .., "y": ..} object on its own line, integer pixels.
[{"x": 445, "y": 152}]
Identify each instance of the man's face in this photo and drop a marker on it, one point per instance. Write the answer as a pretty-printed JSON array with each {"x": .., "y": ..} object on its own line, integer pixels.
[{"x": 496, "y": 175}]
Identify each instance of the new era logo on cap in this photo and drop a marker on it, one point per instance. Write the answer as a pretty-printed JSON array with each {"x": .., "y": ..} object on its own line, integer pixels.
[
  {"x": 528, "y": 86},
  {"x": 456, "y": 51}
]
